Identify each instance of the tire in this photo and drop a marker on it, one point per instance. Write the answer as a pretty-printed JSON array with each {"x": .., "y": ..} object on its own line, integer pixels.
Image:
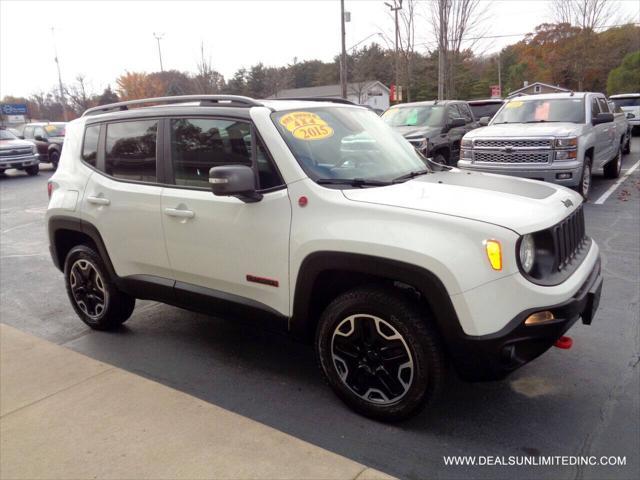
[
  {"x": 584, "y": 187},
  {"x": 104, "y": 307},
  {"x": 440, "y": 158},
  {"x": 2, "y": 172},
  {"x": 361, "y": 325},
  {"x": 54, "y": 158},
  {"x": 614, "y": 167},
  {"x": 627, "y": 146},
  {"x": 33, "y": 170}
]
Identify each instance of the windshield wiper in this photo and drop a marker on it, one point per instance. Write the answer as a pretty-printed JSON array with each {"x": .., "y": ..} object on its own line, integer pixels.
[
  {"x": 354, "y": 182},
  {"x": 410, "y": 175}
]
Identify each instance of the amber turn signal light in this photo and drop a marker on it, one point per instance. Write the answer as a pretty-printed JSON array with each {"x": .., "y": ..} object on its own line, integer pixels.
[{"x": 494, "y": 253}]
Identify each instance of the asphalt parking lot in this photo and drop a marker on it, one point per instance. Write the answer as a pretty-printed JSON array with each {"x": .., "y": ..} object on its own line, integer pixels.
[{"x": 582, "y": 401}]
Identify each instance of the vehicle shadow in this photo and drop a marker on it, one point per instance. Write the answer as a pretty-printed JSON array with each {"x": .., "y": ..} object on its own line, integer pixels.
[{"x": 273, "y": 379}]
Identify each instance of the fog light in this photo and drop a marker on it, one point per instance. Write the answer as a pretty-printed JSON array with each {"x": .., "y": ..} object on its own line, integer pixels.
[
  {"x": 563, "y": 176},
  {"x": 539, "y": 317}
]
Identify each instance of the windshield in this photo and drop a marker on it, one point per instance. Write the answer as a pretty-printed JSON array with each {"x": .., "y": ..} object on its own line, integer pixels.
[
  {"x": 342, "y": 143},
  {"x": 7, "y": 135},
  {"x": 419, "y": 116},
  {"x": 485, "y": 109},
  {"x": 627, "y": 102},
  {"x": 55, "y": 130},
  {"x": 544, "y": 110}
]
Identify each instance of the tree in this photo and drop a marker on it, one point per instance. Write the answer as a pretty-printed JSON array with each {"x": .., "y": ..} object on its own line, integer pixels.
[
  {"x": 136, "y": 85},
  {"x": 207, "y": 80},
  {"x": 626, "y": 77},
  {"x": 79, "y": 99},
  {"x": 108, "y": 96}
]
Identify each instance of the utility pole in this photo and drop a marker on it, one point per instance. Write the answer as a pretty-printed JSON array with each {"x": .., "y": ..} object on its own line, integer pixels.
[
  {"x": 343, "y": 56},
  {"x": 158, "y": 37},
  {"x": 62, "y": 98},
  {"x": 397, "y": 5},
  {"x": 499, "y": 75}
]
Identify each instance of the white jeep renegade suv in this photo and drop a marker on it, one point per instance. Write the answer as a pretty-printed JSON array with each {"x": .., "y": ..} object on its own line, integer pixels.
[{"x": 317, "y": 218}]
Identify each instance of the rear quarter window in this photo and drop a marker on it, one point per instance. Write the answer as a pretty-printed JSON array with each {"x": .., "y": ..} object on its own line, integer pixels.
[{"x": 90, "y": 144}]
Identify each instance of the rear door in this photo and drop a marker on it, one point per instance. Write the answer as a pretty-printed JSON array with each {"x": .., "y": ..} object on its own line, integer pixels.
[
  {"x": 455, "y": 134},
  {"x": 122, "y": 198},
  {"x": 610, "y": 145},
  {"x": 220, "y": 246},
  {"x": 601, "y": 146}
]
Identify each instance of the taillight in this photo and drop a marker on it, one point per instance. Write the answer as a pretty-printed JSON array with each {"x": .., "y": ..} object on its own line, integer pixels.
[{"x": 51, "y": 186}]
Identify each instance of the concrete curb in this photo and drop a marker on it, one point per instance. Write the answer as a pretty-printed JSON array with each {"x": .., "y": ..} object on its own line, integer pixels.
[{"x": 64, "y": 415}]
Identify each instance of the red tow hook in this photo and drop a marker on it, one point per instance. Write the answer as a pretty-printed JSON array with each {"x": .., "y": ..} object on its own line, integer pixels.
[{"x": 564, "y": 342}]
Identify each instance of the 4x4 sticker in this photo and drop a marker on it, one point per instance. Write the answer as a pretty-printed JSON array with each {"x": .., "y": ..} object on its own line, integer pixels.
[{"x": 306, "y": 126}]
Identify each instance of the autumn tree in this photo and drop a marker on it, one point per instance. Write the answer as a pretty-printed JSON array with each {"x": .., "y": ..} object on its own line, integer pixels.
[{"x": 136, "y": 85}]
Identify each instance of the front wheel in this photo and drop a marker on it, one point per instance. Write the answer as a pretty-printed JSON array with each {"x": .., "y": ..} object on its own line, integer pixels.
[
  {"x": 94, "y": 297},
  {"x": 627, "y": 146},
  {"x": 585, "y": 180},
  {"x": 379, "y": 353},
  {"x": 54, "y": 158},
  {"x": 33, "y": 170}
]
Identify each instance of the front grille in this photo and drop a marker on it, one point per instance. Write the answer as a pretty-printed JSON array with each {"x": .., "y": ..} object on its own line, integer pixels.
[
  {"x": 14, "y": 152},
  {"x": 568, "y": 238},
  {"x": 514, "y": 157},
  {"x": 515, "y": 143}
]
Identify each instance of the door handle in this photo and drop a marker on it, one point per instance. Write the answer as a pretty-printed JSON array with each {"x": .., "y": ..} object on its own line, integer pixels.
[
  {"x": 174, "y": 212},
  {"x": 99, "y": 200}
]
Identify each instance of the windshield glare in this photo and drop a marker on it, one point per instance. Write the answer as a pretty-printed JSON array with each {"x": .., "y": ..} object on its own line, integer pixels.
[
  {"x": 344, "y": 143},
  {"x": 7, "y": 135},
  {"x": 544, "y": 110},
  {"x": 419, "y": 116}
]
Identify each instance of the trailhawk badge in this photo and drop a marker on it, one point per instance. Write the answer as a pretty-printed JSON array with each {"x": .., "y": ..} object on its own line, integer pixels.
[{"x": 567, "y": 203}]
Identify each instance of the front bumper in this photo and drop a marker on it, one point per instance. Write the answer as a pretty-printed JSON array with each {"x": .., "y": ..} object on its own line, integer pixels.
[
  {"x": 19, "y": 162},
  {"x": 494, "y": 356},
  {"x": 544, "y": 172}
]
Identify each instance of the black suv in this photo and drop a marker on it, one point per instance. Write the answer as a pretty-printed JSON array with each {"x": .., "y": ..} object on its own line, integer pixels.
[
  {"x": 48, "y": 137},
  {"x": 434, "y": 128}
]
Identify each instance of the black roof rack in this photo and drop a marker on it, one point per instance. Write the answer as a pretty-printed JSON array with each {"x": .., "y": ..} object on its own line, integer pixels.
[
  {"x": 319, "y": 99},
  {"x": 205, "y": 100}
]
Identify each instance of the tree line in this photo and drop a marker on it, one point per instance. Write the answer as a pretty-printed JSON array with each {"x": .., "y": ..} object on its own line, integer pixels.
[{"x": 563, "y": 53}]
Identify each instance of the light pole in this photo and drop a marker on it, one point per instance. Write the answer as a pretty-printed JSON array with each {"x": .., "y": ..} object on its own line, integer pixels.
[
  {"x": 343, "y": 56},
  {"x": 158, "y": 36},
  {"x": 397, "y": 5},
  {"x": 62, "y": 98}
]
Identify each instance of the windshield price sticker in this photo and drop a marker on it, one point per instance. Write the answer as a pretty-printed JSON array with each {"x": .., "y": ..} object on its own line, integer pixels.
[
  {"x": 306, "y": 126},
  {"x": 515, "y": 104}
]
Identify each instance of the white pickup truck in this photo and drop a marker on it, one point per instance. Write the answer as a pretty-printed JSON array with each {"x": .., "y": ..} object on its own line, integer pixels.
[{"x": 562, "y": 138}]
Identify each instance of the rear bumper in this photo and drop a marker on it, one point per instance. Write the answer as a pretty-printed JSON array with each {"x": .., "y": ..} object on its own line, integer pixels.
[
  {"x": 546, "y": 172},
  {"x": 494, "y": 356},
  {"x": 19, "y": 162}
]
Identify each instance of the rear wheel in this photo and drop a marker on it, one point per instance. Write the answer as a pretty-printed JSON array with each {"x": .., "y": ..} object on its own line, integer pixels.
[
  {"x": 379, "y": 353},
  {"x": 96, "y": 300},
  {"x": 627, "y": 146},
  {"x": 613, "y": 168},
  {"x": 54, "y": 158},
  {"x": 33, "y": 170},
  {"x": 440, "y": 158}
]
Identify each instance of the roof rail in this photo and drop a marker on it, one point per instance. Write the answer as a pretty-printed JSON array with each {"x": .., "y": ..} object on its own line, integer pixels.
[
  {"x": 319, "y": 99},
  {"x": 205, "y": 100}
]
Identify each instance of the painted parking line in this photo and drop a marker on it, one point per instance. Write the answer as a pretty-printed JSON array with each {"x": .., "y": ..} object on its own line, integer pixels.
[{"x": 613, "y": 187}]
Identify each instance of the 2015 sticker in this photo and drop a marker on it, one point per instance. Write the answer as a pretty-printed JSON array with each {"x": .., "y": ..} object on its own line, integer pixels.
[
  {"x": 306, "y": 126},
  {"x": 515, "y": 104}
]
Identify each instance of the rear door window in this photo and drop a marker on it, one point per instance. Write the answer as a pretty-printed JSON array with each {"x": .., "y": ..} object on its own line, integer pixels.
[{"x": 131, "y": 150}]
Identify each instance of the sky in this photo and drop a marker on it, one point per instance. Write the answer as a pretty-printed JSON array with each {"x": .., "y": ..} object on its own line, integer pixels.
[{"x": 103, "y": 39}]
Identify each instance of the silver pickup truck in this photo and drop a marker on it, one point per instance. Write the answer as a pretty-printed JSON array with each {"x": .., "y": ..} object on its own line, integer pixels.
[{"x": 562, "y": 138}]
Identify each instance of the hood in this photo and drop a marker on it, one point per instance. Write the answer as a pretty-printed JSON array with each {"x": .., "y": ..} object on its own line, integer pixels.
[
  {"x": 560, "y": 129},
  {"x": 427, "y": 132},
  {"x": 521, "y": 205},
  {"x": 17, "y": 143}
]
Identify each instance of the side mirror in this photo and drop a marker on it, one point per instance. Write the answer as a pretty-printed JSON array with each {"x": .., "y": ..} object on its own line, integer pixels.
[
  {"x": 40, "y": 138},
  {"x": 484, "y": 121},
  {"x": 630, "y": 115},
  {"x": 456, "y": 122},
  {"x": 602, "y": 117},
  {"x": 21, "y": 137},
  {"x": 234, "y": 181}
]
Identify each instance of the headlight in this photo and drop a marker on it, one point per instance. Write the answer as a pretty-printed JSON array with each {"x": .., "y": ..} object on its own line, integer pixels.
[
  {"x": 566, "y": 154},
  {"x": 527, "y": 253},
  {"x": 569, "y": 142},
  {"x": 466, "y": 153},
  {"x": 466, "y": 143},
  {"x": 34, "y": 149}
]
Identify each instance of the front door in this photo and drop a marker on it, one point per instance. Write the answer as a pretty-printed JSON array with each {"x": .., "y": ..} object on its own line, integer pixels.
[{"x": 221, "y": 244}]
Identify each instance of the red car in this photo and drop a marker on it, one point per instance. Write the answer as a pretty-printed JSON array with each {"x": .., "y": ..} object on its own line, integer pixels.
[{"x": 48, "y": 138}]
